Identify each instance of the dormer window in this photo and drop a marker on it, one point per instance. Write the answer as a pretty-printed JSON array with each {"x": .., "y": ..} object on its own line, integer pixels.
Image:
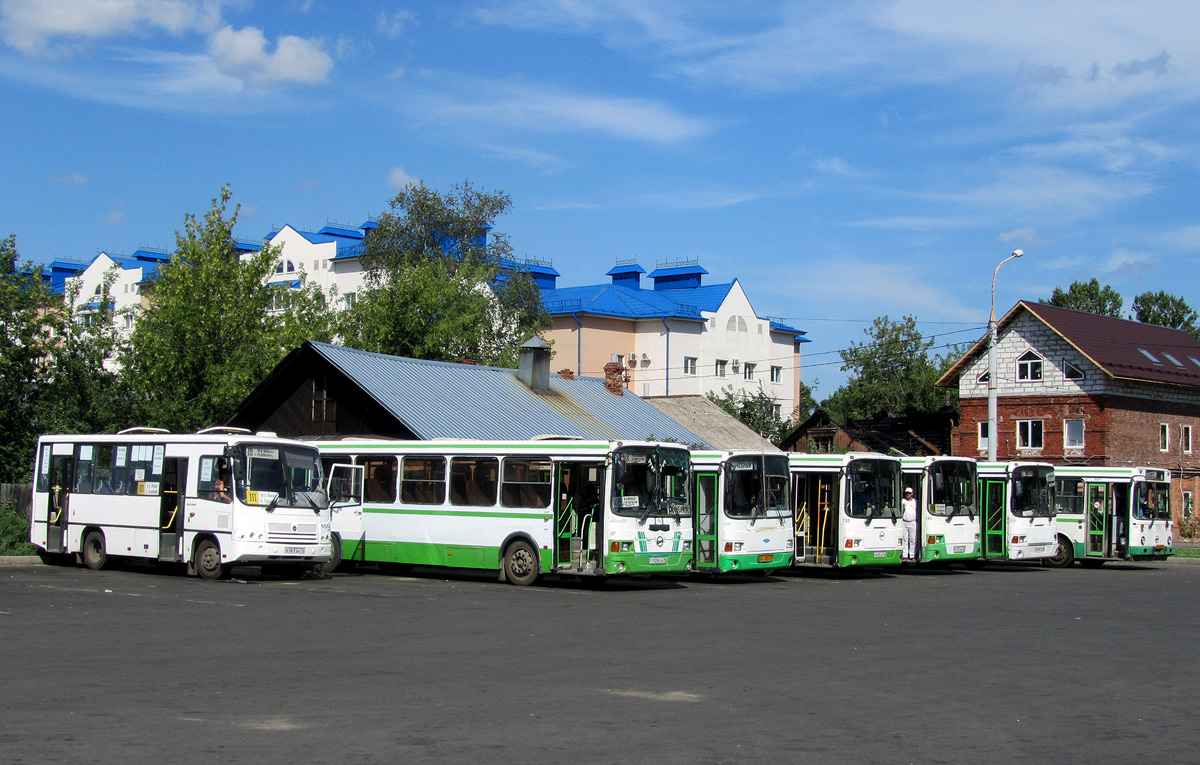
[
  {"x": 983, "y": 378},
  {"x": 1071, "y": 372},
  {"x": 1029, "y": 367}
]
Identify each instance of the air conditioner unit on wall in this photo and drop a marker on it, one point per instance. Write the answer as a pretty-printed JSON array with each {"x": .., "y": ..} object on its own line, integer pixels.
[
  {"x": 633, "y": 357},
  {"x": 645, "y": 358}
]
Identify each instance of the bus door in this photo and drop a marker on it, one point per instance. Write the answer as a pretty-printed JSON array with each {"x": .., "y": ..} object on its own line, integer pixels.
[
  {"x": 577, "y": 512},
  {"x": 993, "y": 494},
  {"x": 706, "y": 520},
  {"x": 1097, "y": 521},
  {"x": 62, "y": 478},
  {"x": 1120, "y": 514},
  {"x": 170, "y": 508}
]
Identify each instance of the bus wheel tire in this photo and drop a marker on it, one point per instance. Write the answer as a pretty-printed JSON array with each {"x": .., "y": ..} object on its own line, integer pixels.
[
  {"x": 335, "y": 557},
  {"x": 520, "y": 564},
  {"x": 93, "y": 553},
  {"x": 208, "y": 561},
  {"x": 1063, "y": 556}
]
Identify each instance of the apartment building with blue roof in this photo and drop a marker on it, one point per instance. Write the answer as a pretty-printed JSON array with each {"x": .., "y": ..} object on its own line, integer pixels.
[{"x": 678, "y": 337}]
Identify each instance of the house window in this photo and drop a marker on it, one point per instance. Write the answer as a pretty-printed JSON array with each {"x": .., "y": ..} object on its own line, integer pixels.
[
  {"x": 720, "y": 368},
  {"x": 1029, "y": 367},
  {"x": 984, "y": 440},
  {"x": 1072, "y": 434},
  {"x": 983, "y": 378},
  {"x": 324, "y": 408},
  {"x": 776, "y": 374},
  {"x": 129, "y": 321},
  {"x": 349, "y": 300},
  {"x": 1187, "y": 504},
  {"x": 1029, "y": 434},
  {"x": 748, "y": 371},
  {"x": 1164, "y": 437},
  {"x": 1071, "y": 372},
  {"x": 1185, "y": 438},
  {"x": 689, "y": 365}
]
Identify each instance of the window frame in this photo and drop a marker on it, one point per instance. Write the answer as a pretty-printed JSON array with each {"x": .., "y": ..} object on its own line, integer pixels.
[
  {"x": 689, "y": 365},
  {"x": 720, "y": 367},
  {"x": 1025, "y": 440},
  {"x": 1185, "y": 438},
  {"x": 776, "y": 374},
  {"x": 1164, "y": 437},
  {"x": 748, "y": 370},
  {"x": 1030, "y": 370},
  {"x": 1067, "y": 445},
  {"x": 982, "y": 435}
]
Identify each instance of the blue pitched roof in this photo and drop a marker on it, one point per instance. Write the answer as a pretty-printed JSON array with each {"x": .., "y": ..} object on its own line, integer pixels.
[
  {"x": 628, "y": 268},
  {"x": 436, "y": 399},
  {"x": 707, "y": 298},
  {"x": 615, "y": 300},
  {"x": 678, "y": 271}
]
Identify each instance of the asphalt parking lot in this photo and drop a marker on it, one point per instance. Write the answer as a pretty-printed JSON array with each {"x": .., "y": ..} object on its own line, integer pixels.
[{"x": 999, "y": 665}]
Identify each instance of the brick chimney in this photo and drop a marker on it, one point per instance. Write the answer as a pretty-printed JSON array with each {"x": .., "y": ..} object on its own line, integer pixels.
[
  {"x": 566, "y": 374},
  {"x": 614, "y": 378}
]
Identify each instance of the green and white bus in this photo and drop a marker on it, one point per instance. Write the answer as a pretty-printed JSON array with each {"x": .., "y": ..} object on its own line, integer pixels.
[
  {"x": 1016, "y": 506},
  {"x": 846, "y": 509},
  {"x": 743, "y": 517},
  {"x": 1112, "y": 513},
  {"x": 221, "y": 497},
  {"x": 947, "y": 516},
  {"x": 522, "y": 508}
]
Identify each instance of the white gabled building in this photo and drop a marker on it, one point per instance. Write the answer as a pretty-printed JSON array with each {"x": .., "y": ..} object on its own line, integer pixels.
[
  {"x": 128, "y": 273},
  {"x": 330, "y": 258}
]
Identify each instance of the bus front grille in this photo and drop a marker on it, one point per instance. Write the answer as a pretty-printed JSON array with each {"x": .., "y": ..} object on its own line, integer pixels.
[{"x": 292, "y": 533}]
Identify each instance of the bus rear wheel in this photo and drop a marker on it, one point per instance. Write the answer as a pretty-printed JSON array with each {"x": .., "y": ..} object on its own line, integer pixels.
[
  {"x": 93, "y": 554},
  {"x": 1064, "y": 554},
  {"x": 208, "y": 561},
  {"x": 520, "y": 564}
]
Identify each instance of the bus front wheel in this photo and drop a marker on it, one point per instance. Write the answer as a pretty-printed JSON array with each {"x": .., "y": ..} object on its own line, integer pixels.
[
  {"x": 208, "y": 561},
  {"x": 93, "y": 554},
  {"x": 1064, "y": 554},
  {"x": 335, "y": 556},
  {"x": 520, "y": 564}
]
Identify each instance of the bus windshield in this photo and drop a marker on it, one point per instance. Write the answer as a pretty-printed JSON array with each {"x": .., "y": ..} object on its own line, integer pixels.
[
  {"x": 746, "y": 476},
  {"x": 651, "y": 480},
  {"x": 953, "y": 489},
  {"x": 1152, "y": 501},
  {"x": 1033, "y": 491},
  {"x": 874, "y": 488},
  {"x": 270, "y": 475}
]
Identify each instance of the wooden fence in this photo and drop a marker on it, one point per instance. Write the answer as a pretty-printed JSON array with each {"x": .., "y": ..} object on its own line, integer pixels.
[{"x": 19, "y": 494}]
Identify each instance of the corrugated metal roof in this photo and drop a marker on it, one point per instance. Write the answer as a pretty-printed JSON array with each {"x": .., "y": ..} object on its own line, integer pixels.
[{"x": 438, "y": 399}]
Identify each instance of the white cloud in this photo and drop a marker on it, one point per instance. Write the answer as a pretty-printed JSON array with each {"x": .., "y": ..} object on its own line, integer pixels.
[
  {"x": 836, "y": 166},
  {"x": 1025, "y": 236},
  {"x": 393, "y": 24},
  {"x": 549, "y": 110},
  {"x": 711, "y": 199},
  {"x": 1185, "y": 238},
  {"x": 398, "y": 179},
  {"x": 243, "y": 54},
  {"x": 72, "y": 179},
  {"x": 35, "y": 27},
  {"x": 117, "y": 217},
  {"x": 1134, "y": 264}
]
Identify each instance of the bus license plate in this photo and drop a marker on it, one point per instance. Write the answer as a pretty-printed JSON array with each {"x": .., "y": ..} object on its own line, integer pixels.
[
  {"x": 657, "y": 561},
  {"x": 960, "y": 548},
  {"x": 293, "y": 551},
  {"x": 766, "y": 558},
  {"x": 880, "y": 555}
]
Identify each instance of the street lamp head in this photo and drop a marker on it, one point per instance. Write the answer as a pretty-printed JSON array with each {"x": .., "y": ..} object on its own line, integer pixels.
[{"x": 1018, "y": 253}]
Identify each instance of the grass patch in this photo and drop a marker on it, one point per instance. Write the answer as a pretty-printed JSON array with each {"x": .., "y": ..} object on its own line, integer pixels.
[
  {"x": 14, "y": 533},
  {"x": 1187, "y": 552}
]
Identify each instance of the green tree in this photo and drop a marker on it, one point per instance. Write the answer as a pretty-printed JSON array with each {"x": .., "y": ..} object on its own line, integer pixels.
[
  {"x": 1166, "y": 310},
  {"x": 756, "y": 410},
  {"x": 440, "y": 284},
  {"x": 214, "y": 327},
  {"x": 890, "y": 372},
  {"x": 1088, "y": 296},
  {"x": 27, "y": 318}
]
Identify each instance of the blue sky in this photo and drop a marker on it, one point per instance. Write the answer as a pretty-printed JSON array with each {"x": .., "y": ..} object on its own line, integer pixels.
[{"x": 844, "y": 160}]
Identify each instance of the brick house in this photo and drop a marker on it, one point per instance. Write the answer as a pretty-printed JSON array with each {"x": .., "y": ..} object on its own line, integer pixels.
[{"x": 1077, "y": 387}]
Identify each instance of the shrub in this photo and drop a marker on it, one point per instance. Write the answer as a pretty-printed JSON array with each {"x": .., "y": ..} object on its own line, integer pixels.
[
  {"x": 1189, "y": 528},
  {"x": 14, "y": 532}
]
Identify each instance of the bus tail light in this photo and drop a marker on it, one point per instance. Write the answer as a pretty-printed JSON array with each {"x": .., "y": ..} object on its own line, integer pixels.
[{"x": 620, "y": 547}]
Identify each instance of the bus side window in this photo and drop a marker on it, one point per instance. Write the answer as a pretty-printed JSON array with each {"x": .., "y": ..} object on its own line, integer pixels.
[
  {"x": 381, "y": 479},
  {"x": 85, "y": 470}
]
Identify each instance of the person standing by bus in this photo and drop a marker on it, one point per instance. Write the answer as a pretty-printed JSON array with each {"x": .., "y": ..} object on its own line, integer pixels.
[{"x": 908, "y": 506}]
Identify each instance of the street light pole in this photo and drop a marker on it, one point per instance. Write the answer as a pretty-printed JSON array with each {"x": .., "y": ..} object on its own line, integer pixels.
[{"x": 992, "y": 362}]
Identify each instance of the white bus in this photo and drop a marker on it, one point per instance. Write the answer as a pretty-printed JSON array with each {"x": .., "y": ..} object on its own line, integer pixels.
[
  {"x": 523, "y": 508},
  {"x": 1016, "y": 506},
  {"x": 846, "y": 509},
  {"x": 742, "y": 512},
  {"x": 214, "y": 499},
  {"x": 1112, "y": 513},
  {"x": 947, "y": 515}
]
